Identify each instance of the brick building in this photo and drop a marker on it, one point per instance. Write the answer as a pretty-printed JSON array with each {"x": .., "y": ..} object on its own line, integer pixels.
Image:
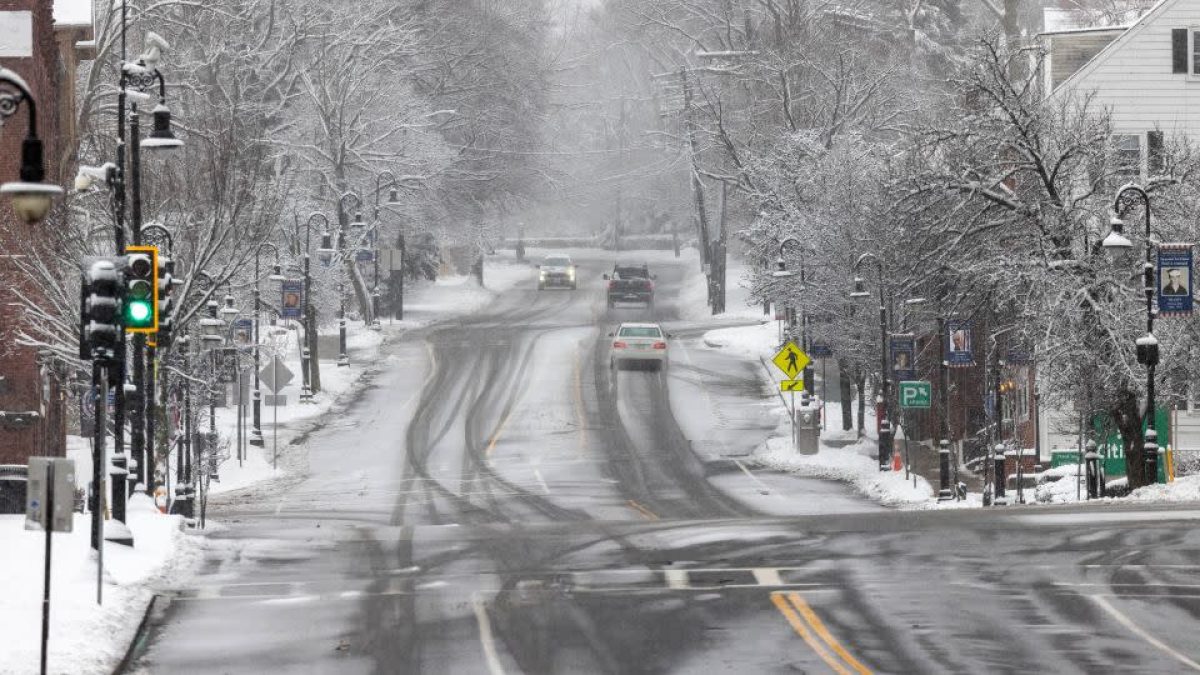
[{"x": 31, "y": 403}]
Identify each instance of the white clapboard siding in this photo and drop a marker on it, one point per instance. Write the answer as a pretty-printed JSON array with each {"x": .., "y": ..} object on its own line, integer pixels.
[{"x": 1132, "y": 77}]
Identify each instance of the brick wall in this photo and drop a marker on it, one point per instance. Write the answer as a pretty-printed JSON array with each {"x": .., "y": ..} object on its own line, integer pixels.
[{"x": 21, "y": 389}]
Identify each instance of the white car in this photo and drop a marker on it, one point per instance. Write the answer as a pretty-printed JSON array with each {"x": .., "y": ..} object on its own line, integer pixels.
[
  {"x": 556, "y": 271},
  {"x": 643, "y": 343}
]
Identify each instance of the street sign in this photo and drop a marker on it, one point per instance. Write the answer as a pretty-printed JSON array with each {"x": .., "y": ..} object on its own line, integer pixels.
[
  {"x": 275, "y": 400},
  {"x": 820, "y": 351},
  {"x": 791, "y": 385},
  {"x": 791, "y": 360},
  {"x": 228, "y": 364},
  {"x": 44, "y": 479},
  {"x": 915, "y": 394},
  {"x": 276, "y": 375}
]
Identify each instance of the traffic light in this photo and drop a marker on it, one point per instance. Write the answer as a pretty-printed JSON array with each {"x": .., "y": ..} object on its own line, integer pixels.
[
  {"x": 140, "y": 306},
  {"x": 100, "y": 309},
  {"x": 166, "y": 283}
]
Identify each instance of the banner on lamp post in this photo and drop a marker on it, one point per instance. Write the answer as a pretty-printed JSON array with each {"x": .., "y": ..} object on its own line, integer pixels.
[
  {"x": 291, "y": 305},
  {"x": 904, "y": 356},
  {"x": 1175, "y": 279},
  {"x": 959, "y": 349}
]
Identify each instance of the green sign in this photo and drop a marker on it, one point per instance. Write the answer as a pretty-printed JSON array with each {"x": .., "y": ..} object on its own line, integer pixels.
[{"x": 915, "y": 394}]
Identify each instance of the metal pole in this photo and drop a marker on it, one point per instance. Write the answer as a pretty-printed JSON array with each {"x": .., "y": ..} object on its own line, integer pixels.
[
  {"x": 944, "y": 490},
  {"x": 100, "y": 373},
  {"x": 275, "y": 415},
  {"x": 49, "y": 528},
  {"x": 1150, "y": 449},
  {"x": 343, "y": 359},
  {"x": 151, "y": 412},
  {"x": 885, "y": 428},
  {"x": 256, "y": 438}
]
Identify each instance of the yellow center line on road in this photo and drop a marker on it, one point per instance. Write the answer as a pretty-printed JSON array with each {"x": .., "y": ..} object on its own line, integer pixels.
[
  {"x": 802, "y": 630},
  {"x": 645, "y": 512},
  {"x": 807, "y": 624}
]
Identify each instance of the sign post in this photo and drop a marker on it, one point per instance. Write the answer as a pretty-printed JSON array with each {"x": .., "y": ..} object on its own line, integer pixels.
[
  {"x": 49, "y": 506},
  {"x": 791, "y": 360},
  {"x": 276, "y": 376}
]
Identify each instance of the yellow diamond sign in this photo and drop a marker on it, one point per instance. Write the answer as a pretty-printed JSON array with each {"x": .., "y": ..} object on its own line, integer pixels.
[{"x": 791, "y": 360}]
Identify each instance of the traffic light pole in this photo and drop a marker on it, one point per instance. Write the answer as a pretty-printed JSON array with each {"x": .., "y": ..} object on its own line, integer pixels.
[{"x": 137, "y": 400}]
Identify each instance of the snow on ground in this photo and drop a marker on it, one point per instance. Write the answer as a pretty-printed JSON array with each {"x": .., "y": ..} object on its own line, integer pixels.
[
  {"x": 751, "y": 342},
  {"x": 425, "y": 303},
  {"x": 84, "y": 637},
  {"x": 693, "y": 297},
  {"x": 856, "y": 464}
]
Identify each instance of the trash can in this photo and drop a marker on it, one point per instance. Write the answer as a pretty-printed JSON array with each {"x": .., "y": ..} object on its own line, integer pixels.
[{"x": 808, "y": 429}]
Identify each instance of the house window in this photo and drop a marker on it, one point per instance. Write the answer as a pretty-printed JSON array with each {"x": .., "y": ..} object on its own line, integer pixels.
[
  {"x": 1127, "y": 157},
  {"x": 1195, "y": 51}
]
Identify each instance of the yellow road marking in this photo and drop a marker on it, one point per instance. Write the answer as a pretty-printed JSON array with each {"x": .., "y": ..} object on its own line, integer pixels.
[
  {"x": 798, "y": 625},
  {"x": 815, "y": 621},
  {"x": 646, "y": 513}
]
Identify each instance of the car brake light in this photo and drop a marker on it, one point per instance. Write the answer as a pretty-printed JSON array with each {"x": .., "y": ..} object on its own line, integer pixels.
[
  {"x": 660, "y": 345},
  {"x": 612, "y": 284},
  {"x": 619, "y": 345}
]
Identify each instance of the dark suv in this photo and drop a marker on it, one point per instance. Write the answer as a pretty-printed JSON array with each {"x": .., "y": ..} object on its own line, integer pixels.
[{"x": 630, "y": 283}]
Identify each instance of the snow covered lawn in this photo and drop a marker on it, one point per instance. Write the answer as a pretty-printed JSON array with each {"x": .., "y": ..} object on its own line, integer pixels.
[
  {"x": 84, "y": 637},
  {"x": 854, "y": 464}
]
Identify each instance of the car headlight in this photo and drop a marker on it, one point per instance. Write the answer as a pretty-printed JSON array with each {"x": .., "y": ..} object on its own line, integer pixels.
[
  {"x": 542, "y": 275},
  {"x": 571, "y": 274}
]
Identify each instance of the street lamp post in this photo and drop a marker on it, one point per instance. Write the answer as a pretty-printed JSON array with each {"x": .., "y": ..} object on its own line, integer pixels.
[
  {"x": 256, "y": 437},
  {"x": 31, "y": 195},
  {"x": 343, "y": 359},
  {"x": 306, "y": 318},
  {"x": 789, "y": 312},
  {"x": 1117, "y": 245},
  {"x": 885, "y": 426},
  {"x": 154, "y": 231},
  {"x": 393, "y": 198}
]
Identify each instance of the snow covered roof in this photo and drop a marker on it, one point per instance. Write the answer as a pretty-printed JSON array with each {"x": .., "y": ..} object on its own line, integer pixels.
[
  {"x": 1057, "y": 20},
  {"x": 1127, "y": 34},
  {"x": 72, "y": 12}
]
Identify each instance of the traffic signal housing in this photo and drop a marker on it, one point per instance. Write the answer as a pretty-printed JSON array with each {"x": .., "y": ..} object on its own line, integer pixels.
[
  {"x": 140, "y": 307},
  {"x": 166, "y": 283},
  {"x": 100, "y": 315}
]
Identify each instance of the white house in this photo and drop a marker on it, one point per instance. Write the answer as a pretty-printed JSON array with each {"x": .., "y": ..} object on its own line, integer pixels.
[{"x": 1146, "y": 73}]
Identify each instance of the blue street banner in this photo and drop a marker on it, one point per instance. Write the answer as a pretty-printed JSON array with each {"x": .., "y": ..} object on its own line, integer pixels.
[
  {"x": 364, "y": 255},
  {"x": 904, "y": 356},
  {"x": 820, "y": 351},
  {"x": 243, "y": 331},
  {"x": 291, "y": 305},
  {"x": 959, "y": 350},
  {"x": 1174, "y": 279}
]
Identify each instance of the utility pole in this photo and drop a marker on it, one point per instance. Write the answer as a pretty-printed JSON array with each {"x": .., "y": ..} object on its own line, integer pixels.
[{"x": 693, "y": 152}]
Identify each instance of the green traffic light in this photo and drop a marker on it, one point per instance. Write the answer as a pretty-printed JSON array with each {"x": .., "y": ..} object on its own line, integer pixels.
[{"x": 138, "y": 314}]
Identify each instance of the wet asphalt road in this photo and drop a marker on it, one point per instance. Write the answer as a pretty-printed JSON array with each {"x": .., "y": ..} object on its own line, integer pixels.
[{"x": 497, "y": 500}]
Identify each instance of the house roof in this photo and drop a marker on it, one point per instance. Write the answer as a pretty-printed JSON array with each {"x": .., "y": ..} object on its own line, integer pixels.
[{"x": 1111, "y": 48}]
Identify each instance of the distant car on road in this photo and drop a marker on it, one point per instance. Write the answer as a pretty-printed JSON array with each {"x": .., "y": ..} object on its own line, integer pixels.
[
  {"x": 557, "y": 271},
  {"x": 630, "y": 283},
  {"x": 643, "y": 343}
]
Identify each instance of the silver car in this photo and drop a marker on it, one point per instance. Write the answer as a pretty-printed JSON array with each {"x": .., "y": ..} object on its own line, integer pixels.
[
  {"x": 557, "y": 271},
  {"x": 642, "y": 343}
]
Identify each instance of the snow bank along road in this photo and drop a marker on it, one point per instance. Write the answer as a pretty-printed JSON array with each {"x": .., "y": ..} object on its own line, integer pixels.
[{"x": 498, "y": 501}]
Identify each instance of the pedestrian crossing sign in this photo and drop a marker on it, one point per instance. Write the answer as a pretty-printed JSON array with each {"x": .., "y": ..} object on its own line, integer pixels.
[
  {"x": 791, "y": 385},
  {"x": 791, "y": 360}
]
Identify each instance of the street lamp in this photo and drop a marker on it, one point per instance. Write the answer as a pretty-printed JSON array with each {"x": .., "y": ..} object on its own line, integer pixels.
[
  {"x": 306, "y": 318},
  {"x": 31, "y": 195},
  {"x": 1118, "y": 246},
  {"x": 393, "y": 198},
  {"x": 256, "y": 437},
  {"x": 885, "y": 426},
  {"x": 343, "y": 359}
]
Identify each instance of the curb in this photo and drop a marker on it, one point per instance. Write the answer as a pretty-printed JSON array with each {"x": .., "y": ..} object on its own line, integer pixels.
[{"x": 139, "y": 637}]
